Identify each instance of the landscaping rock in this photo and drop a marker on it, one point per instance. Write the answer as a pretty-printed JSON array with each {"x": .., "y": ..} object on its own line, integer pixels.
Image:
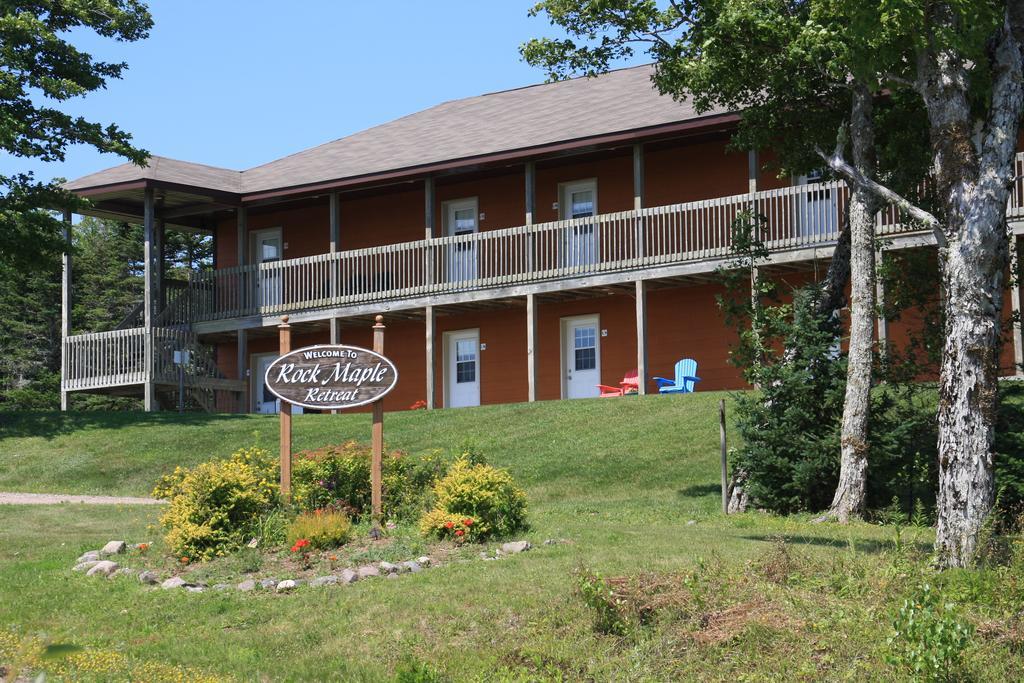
[
  {"x": 104, "y": 568},
  {"x": 195, "y": 589},
  {"x": 286, "y": 585},
  {"x": 125, "y": 571},
  {"x": 388, "y": 568},
  {"x": 692, "y": 522},
  {"x": 91, "y": 556},
  {"x": 515, "y": 547},
  {"x": 392, "y": 576},
  {"x": 246, "y": 586},
  {"x": 221, "y": 586},
  {"x": 113, "y": 548},
  {"x": 174, "y": 582},
  {"x": 424, "y": 561},
  {"x": 268, "y": 583},
  {"x": 411, "y": 566},
  {"x": 82, "y": 566},
  {"x": 348, "y": 576},
  {"x": 148, "y": 578},
  {"x": 329, "y": 580},
  {"x": 367, "y": 571}
]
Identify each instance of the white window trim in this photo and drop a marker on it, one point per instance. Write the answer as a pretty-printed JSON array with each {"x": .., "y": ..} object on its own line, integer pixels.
[
  {"x": 256, "y": 235},
  {"x": 454, "y": 204},
  {"x": 446, "y": 369},
  {"x": 563, "y": 196},
  {"x": 563, "y": 350}
]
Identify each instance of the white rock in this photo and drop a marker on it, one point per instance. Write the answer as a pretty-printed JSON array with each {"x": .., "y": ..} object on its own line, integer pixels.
[
  {"x": 389, "y": 568},
  {"x": 247, "y": 585},
  {"x": 268, "y": 583},
  {"x": 424, "y": 560},
  {"x": 195, "y": 589},
  {"x": 286, "y": 585},
  {"x": 104, "y": 568},
  {"x": 348, "y": 576},
  {"x": 82, "y": 566},
  {"x": 91, "y": 556},
  {"x": 411, "y": 566},
  {"x": 324, "y": 581},
  {"x": 174, "y": 582},
  {"x": 148, "y": 578},
  {"x": 113, "y": 548},
  {"x": 515, "y": 547},
  {"x": 367, "y": 571}
]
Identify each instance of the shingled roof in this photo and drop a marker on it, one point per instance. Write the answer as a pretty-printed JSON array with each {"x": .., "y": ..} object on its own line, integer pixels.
[{"x": 519, "y": 119}]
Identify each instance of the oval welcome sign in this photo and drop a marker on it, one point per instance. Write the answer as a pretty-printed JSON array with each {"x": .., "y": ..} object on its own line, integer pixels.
[{"x": 330, "y": 377}]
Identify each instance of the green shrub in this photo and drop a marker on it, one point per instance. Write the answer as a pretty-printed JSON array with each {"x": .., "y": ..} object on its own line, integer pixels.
[
  {"x": 215, "y": 506},
  {"x": 929, "y": 640},
  {"x": 322, "y": 528},
  {"x": 609, "y": 616},
  {"x": 483, "y": 494},
  {"x": 338, "y": 477}
]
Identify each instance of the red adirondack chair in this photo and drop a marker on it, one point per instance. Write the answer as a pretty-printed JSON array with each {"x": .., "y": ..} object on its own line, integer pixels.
[{"x": 630, "y": 384}]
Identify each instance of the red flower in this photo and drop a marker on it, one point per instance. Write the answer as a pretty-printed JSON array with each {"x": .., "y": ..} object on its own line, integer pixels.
[
  {"x": 299, "y": 545},
  {"x": 459, "y": 532},
  {"x": 467, "y": 522},
  {"x": 449, "y": 525}
]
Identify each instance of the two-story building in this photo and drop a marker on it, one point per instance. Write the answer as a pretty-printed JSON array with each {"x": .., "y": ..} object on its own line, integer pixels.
[{"x": 522, "y": 245}]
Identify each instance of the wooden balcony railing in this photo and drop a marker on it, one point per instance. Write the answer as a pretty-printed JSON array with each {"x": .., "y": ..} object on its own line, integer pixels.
[{"x": 795, "y": 217}]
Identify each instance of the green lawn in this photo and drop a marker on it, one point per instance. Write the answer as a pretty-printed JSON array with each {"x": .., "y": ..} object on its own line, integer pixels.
[{"x": 752, "y": 597}]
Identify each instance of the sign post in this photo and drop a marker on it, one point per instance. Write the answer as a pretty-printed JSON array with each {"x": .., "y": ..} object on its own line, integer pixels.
[
  {"x": 332, "y": 377},
  {"x": 285, "y": 342},
  {"x": 377, "y": 445}
]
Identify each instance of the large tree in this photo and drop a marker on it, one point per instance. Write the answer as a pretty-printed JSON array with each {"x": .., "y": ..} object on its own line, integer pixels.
[
  {"x": 41, "y": 68},
  {"x": 961, "y": 61}
]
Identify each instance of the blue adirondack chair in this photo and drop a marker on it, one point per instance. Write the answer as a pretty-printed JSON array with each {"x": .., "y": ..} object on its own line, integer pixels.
[{"x": 685, "y": 381}]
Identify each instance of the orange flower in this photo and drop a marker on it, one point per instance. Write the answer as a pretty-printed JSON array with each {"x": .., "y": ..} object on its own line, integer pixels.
[
  {"x": 459, "y": 532},
  {"x": 184, "y": 560},
  {"x": 332, "y": 558}
]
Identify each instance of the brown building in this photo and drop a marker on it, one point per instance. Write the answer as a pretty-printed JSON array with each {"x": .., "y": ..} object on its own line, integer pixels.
[{"x": 522, "y": 245}]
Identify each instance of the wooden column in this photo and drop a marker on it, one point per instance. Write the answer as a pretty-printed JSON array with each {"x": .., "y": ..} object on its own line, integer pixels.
[
  {"x": 752, "y": 164},
  {"x": 531, "y": 347},
  {"x": 148, "y": 304},
  {"x": 428, "y": 227},
  {"x": 641, "y": 336},
  {"x": 639, "y": 189},
  {"x": 159, "y": 266},
  {"x": 430, "y": 324},
  {"x": 245, "y": 291},
  {"x": 335, "y": 237},
  {"x": 1018, "y": 341},
  {"x": 285, "y": 346},
  {"x": 882, "y": 323},
  {"x": 530, "y": 202},
  {"x": 65, "y": 305},
  {"x": 377, "y": 440}
]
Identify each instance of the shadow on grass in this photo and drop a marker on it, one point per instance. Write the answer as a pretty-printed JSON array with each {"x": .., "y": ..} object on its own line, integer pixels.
[
  {"x": 700, "y": 490},
  {"x": 49, "y": 425},
  {"x": 873, "y": 546}
]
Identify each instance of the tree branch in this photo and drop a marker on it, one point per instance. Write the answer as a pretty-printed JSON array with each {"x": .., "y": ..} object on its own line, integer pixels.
[{"x": 856, "y": 179}]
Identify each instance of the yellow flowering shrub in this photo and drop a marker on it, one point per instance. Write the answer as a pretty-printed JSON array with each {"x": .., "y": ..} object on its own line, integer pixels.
[
  {"x": 215, "y": 505},
  {"x": 322, "y": 528},
  {"x": 475, "y": 502}
]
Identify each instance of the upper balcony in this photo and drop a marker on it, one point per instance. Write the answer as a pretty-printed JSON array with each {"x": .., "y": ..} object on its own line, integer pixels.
[{"x": 800, "y": 222}]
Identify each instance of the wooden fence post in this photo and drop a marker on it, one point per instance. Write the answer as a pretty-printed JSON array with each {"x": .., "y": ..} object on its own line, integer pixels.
[
  {"x": 378, "y": 433},
  {"x": 285, "y": 342},
  {"x": 725, "y": 460}
]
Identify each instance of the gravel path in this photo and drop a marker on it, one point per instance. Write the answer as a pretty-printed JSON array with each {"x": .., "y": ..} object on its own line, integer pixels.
[{"x": 57, "y": 498}]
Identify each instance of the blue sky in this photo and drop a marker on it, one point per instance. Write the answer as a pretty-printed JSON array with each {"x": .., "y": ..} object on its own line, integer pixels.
[{"x": 237, "y": 83}]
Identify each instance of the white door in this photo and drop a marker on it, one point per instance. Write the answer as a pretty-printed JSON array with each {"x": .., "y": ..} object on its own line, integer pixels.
[
  {"x": 579, "y": 201},
  {"x": 463, "y": 369},
  {"x": 817, "y": 209},
  {"x": 266, "y": 402},
  {"x": 267, "y": 248},
  {"x": 581, "y": 357},
  {"x": 460, "y": 218}
]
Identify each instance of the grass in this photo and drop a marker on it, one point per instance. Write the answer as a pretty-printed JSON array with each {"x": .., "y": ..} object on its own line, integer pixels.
[{"x": 621, "y": 480}]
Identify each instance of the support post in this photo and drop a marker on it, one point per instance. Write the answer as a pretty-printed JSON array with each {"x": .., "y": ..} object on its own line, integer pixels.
[
  {"x": 242, "y": 363},
  {"x": 752, "y": 164},
  {"x": 148, "y": 227},
  {"x": 641, "y": 336},
  {"x": 428, "y": 227},
  {"x": 335, "y": 238},
  {"x": 65, "y": 306},
  {"x": 724, "y": 456},
  {"x": 377, "y": 445},
  {"x": 530, "y": 201},
  {"x": 1015, "y": 280},
  {"x": 639, "y": 188},
  {"x": 430, "y": 321},
  {"x": 285, "y": 346},
  {"x": 882, "y": 322},
  {"x": 244, "y": 289},
  {"x": 159, "y": 295},
  {"x": 531, "y": 347}
]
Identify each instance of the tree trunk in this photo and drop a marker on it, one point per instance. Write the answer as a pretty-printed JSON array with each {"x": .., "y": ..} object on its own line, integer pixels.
[
  {"x": 850, "y": 490},
  {"x": 973, "y": 177}
]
